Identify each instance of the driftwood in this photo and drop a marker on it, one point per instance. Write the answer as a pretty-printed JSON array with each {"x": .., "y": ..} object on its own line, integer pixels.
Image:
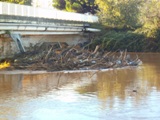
[{"x": 54, "y": 57}]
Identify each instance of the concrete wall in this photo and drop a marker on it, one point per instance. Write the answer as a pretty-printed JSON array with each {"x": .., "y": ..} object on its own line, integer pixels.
[{"x": 8, "y": 47}]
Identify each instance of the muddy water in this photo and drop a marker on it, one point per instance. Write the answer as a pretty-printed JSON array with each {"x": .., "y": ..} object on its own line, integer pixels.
[{"x": 122, "y": 94}]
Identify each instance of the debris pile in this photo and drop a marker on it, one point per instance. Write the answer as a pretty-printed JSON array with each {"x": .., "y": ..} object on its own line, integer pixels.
[{"x": 60, "y": 56}]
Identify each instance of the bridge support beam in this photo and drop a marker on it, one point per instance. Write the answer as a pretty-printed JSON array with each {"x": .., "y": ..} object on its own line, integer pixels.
[{"x": 17, "y": 40}]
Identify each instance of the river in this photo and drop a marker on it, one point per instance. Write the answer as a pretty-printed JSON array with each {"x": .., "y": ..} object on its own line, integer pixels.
[{"x": 131, "y": 93}]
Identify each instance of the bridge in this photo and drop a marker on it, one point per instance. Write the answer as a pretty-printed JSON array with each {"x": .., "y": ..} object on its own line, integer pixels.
[
  {"x": 29, "y": 25},
  {"x": 25, "y": 19}
]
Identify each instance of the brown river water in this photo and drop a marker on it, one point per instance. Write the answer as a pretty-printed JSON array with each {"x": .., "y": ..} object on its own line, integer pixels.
[{"x": 131, "y": 93}]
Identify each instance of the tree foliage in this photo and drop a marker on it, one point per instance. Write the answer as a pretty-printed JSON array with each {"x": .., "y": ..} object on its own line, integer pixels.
[
  {"x": 59, "y": 4},
  {"x": 115, "y": 13},
  {"x": 80, "y": 6},
  {"x": 150, "y": 18},
  {"x": 141, "y": 14},
  {"x": 23, "y": 2},
  {"x": 128, "y": 21}
]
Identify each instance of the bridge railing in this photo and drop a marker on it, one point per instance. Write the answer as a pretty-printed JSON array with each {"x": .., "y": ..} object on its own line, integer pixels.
[{"x": 29, "y": 11}]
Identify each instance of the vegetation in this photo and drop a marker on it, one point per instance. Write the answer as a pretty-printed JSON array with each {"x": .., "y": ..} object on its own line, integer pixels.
[
  {"x": 23, "y": 2},
  {"x": 116, "y": 13},
  {"x": 113, "y": 41},
  {"x": 80, "y": 6},
  {"x": 129, "y": 24}
]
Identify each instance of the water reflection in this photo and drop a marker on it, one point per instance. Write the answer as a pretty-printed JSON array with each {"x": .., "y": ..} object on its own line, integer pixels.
[
  {"x": 37, "y": 83},
  {"x": 9, "y": 83},
  {"x": 113, "y": 84},
  {"x": 16, "y": 90},
  {"x": 124, "y": 84},
  {"x": 150, "y": 71}
]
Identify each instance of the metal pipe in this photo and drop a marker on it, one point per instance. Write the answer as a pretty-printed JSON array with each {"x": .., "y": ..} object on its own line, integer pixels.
[
  {"x": 26, "y": 27},
  {"x": 92, "y": 30},
  {"x": 43, "y": 33}
]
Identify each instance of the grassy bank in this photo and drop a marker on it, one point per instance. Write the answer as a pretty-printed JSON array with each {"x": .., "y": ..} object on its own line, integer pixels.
[{"x": 132, "y": 41}]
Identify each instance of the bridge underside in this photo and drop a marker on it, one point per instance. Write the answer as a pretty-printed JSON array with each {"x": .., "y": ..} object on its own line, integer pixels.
[{"x": 31, "y": 25}]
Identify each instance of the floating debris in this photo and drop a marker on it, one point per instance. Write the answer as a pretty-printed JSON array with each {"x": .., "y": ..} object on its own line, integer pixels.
[
  {"x": 57, "y": 57},
  {"x": 4, "y": 65}
]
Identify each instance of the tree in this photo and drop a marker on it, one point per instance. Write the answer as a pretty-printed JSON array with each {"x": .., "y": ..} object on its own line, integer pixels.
[
  {"x": 59, "y": 4},
  {"x": 116, "y": 13},
  {"x": 142, "y": 16},
  {"x": 150, "y": 18},
  {"x": 23, "y": 2},
  {"x": 80, "y": 6}
]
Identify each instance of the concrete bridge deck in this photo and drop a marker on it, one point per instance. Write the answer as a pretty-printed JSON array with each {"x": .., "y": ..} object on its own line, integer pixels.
[
  {"x": 15, "y": 17},
  {"x": 10, "y": 12}
]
